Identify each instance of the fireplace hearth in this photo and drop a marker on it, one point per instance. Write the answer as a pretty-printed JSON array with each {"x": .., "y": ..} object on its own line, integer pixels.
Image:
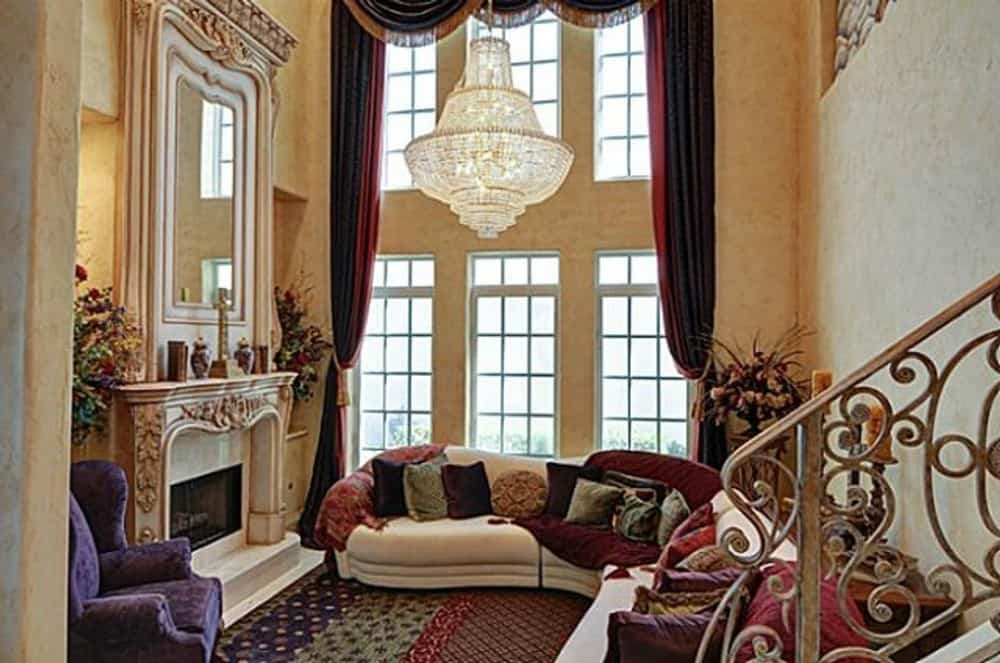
[{"x": 207, "y": 508}]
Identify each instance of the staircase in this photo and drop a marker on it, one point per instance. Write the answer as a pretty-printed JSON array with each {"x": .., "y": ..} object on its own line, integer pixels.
[{"x": 903, "y": 453}]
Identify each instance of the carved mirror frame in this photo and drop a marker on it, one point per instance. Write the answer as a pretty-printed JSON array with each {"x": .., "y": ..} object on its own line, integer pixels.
[{"x": 229, "y": 50}]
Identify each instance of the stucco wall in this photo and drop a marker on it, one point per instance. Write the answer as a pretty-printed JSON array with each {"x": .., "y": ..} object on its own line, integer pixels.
[
  {"x": 97, "y": 198},
  {"x": 756, "y": 212},
  {"x": 907, "y": 217}
]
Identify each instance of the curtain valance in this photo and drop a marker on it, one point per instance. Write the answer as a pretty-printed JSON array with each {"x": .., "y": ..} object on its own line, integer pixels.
[{"x": 421, "y": 22}]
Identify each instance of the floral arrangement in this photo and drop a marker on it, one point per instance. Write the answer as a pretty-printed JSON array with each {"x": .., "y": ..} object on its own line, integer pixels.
[
  {"x": 106, "y": 343},
  {"x": 758, "y": 387},
  {"x": 302, "y": 345}
]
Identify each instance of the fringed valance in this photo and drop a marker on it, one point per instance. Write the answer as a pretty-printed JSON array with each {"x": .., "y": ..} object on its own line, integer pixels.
[{"x": 422, "y": 22}]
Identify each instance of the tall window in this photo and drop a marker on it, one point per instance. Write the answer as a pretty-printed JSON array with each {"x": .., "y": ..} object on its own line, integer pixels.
[
  {"x": 394, "y": 375},
  {"x": 534, "y": 56},
  {"x": 410, "y": 103},
  {"x": 217, "y": 150},
  {"x": 642, "y": 401},
  {"x": 622, "y": 115},
  {"x": 513, "y": 304}
]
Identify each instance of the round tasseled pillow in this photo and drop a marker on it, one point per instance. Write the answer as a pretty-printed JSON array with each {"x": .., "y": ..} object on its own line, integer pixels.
[{"x": 519, "y": 494}]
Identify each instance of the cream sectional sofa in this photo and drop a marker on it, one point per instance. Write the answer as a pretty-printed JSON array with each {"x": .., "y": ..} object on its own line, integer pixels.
[
  {"x": 472, "y": 553},
  {"x": 462, "y": 553}
]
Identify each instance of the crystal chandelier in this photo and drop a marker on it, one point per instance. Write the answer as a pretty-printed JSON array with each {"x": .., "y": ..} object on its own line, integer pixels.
[{"x": 488, "y": 158}]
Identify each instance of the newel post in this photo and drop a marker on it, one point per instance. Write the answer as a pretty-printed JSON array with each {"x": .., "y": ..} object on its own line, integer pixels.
[{"x": 810, "y": 479}]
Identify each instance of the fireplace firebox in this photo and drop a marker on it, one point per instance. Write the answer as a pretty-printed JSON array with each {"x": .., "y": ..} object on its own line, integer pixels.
[{"x": 207, "y": 508}]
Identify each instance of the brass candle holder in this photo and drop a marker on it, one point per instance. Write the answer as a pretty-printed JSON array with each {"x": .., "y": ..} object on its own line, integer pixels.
[{"x": 224, "y": 366}]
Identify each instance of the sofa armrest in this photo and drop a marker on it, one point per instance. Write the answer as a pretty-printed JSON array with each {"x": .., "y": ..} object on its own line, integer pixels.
[
  {"x": 132, "y": 618},
  {"x": 139, "y": 565}
]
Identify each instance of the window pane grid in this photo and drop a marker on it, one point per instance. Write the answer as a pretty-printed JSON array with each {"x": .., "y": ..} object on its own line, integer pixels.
[
  {"x": 411, "y": 91},
  {"x": 513, "y": 392},
  {"x": 535, "y": 50},
  {"x": 639, "y": 407},
  {"x": 622, "y": 125},
  {"x": 394, "y": 394}
]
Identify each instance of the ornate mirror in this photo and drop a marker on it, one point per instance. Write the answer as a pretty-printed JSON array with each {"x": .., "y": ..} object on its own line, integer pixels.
[{"x": 197, "y": 218}]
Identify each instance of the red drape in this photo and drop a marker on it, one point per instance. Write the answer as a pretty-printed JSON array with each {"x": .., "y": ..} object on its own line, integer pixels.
[
  {"x": 680, "y": 95},
  {"x": 357, "y": 81}
]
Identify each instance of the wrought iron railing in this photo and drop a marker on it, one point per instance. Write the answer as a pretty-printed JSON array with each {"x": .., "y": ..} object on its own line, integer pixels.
[{"x": 839, "y": 508}]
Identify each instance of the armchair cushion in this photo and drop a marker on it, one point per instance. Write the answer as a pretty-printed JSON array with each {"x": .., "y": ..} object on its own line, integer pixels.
[
  {"x": 133, "y": 618},
  {"x": 193, "y": 604},
  {"x": 102, "y": 490},
  {"x": 139, "y": 565}
]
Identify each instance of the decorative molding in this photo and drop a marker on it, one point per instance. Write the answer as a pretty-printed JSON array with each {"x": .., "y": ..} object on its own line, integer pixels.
[
  {"x": 260, "y": 25},
  {"x": 227, "y": 413},
  {"x": 141, "y": 9},
  {"x": 855, "y": 21},
  {"x": 230, "y": 46},
  {"x": 148, "y": 535},
  {"x": 148, "y": 427}
]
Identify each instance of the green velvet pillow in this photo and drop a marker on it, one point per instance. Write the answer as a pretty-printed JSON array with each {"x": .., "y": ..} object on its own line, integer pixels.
[
  {"x": 593, "y": 503},
  {"x": 423, "y": 490},
  {"x": 638, "y": 519},
  {"x": 673, "y": 511}
]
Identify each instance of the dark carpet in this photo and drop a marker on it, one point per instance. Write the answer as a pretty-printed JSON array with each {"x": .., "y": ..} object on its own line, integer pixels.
[{"x": 322, "y": 619}]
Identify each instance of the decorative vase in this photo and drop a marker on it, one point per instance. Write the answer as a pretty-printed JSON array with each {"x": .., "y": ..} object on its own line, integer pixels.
[
  {"x": 200, "y": 358},
  {"x": 244, "y": 355}
]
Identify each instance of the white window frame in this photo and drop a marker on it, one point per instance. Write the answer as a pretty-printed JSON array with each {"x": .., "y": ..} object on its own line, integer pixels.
[
  {"x": 528, "y": 290},
  {"x": 411, "y": 112},
  {"x": 630, "y": 290},
  {"x": 629, "y": 95},
  {"x": 395, "y": 292},
  {"x": 213, "y": 122},
  {"x": 477, "y": 27}
]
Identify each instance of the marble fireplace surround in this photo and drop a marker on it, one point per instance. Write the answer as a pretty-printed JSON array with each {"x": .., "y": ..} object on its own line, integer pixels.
[{"x": 150, "y": 417}]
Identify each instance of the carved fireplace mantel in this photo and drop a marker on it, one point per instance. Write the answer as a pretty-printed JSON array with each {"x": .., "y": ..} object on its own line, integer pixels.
[{"x": 150, "y": 416}]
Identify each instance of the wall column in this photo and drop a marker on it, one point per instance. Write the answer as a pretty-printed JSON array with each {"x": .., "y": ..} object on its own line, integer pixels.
[{"x": 40, "y": 47}]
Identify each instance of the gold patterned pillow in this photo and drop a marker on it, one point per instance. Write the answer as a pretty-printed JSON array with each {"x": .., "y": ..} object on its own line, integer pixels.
[
  {"x": 519, "y": 494},
  {"x": 707, "y": 559},
  {"x": 677, "y": 604}
]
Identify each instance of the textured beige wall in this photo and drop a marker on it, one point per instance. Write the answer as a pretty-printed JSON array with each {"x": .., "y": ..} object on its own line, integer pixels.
[
  {"x": 756, "y": 116},
  {"x": 97, "y": 198},
  {"x": 302, "y": 201},
  {"x": 39, "y": 129},
  {"x": 101, "y": 56},
  {"x": 907, "y": 217},
  {"x": 581, "y": 218}
]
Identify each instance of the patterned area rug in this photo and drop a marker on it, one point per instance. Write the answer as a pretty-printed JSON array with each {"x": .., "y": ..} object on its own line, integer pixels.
[{"x": 322, "y": 619}]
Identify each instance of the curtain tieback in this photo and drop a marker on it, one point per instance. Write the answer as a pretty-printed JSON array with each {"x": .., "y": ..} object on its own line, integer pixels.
[
  {"x": 698, "y": 407},
  {"x": 343, "y": 393}
]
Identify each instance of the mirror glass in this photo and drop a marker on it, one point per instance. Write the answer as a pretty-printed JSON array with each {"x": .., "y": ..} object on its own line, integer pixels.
[{"x": 203, "y": 224}]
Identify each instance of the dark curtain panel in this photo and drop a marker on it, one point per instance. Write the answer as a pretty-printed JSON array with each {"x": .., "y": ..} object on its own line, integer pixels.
[
  {"x": 680, "y": 84},
  {"x": 357, "y": 70},
  {"x": 421, "y": 22}
]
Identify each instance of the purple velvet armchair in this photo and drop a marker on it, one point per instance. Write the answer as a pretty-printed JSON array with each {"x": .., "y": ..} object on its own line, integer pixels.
[{"x": 131, "y": 603}]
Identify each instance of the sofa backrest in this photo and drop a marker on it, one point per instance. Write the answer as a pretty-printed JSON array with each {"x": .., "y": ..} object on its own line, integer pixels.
[
  {"x": 696, "y": 482},
  {"x": 496, "y": 463}
]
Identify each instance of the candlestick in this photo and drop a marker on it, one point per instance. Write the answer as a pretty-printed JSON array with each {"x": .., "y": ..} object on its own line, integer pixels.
[{"x": 822, "y": 379}]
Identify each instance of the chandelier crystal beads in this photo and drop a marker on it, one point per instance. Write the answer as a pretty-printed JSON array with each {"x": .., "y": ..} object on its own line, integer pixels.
[{"x": 488, "y": 158}]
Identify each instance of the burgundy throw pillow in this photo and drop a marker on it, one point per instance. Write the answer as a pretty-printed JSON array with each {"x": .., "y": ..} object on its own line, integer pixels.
[
  {"x": 562, "y": 481},
  {"x": 637, "y": 638},
  {"x": 766, "y": 610},
  {"x": 703, "y": 516},
  {"x": 389, "y": 495},
  {"x": 679, "y": 548},
  {"x": 467, "y": 490}
]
